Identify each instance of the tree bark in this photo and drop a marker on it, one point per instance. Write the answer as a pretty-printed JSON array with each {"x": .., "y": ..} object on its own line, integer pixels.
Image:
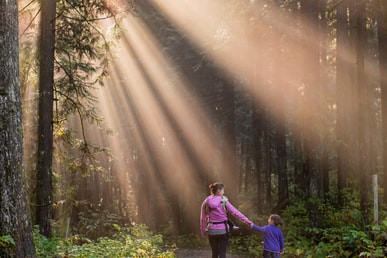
[
  {"x": 231, "y": 177},
  {"x": 259, "y": 128},
  {"x": 363, "y": 95},
  {"x": 45, "y": 131},
  {"x": 311, "y": 98},
  {"x": 345, "y": 104},
  {"x": 382, "y": 37},
  {"x": 14, "y": 213},
  {"x": 283, "y": 191}
]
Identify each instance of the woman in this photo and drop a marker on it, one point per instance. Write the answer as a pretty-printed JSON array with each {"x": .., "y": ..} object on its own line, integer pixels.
[{"x": 213, "y": 219}]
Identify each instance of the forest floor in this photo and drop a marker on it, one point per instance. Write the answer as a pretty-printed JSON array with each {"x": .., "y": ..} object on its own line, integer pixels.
[{"x": 198, "y": 253}]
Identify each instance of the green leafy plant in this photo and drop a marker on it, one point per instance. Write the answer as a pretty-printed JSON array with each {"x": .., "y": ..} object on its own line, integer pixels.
[
  {"x": 247, "y": 244},
  {"x": 6, "y": 241},
  {"x": 189, "y": 241},
  {"x": 134, "y": 241},
  {"x": 97, "y": 223},
  {"x": 7, "y": 245},
  {"x": 341, "y": 233}
]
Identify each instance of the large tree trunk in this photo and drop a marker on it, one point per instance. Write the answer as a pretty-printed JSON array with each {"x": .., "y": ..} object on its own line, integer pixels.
[
  {"x": 324, "y": 143},
  {"x": 259, "y": 128},
  {"x": 311, "y": 98},
  {"x": 45, "y": 131},
  {"x": 231, "y": 177},
  {"x": 312, "y": 113},
  {"x": 364, "y": 120},
  {"x": 14, "y": 213},
  {"x": 346, "y": 123},
  {"x": 382, "y": 36},
  {"x": 283, "y": 191}
]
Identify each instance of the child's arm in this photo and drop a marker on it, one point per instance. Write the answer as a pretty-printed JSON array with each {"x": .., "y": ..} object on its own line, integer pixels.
[
  {"x": 282, "y": 243},
  {"x": 258, "y": 228}
]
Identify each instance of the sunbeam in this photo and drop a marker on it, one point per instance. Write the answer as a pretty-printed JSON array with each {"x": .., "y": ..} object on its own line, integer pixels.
[
  {"x": 256, "y": 52},
  {"x": 154, "y": 107}
]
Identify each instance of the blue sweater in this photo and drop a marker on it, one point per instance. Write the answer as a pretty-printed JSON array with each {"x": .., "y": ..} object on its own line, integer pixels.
[{"x": 273, "y": 240}]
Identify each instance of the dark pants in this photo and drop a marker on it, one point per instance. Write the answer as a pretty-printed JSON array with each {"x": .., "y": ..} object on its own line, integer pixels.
[
  {"x": 219, "y": 245},
  {"x": 267, "y": 254}
]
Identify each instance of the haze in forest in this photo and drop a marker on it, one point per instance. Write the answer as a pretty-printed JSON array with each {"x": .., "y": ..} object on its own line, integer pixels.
[
  {"x": 153, "y": 106},
  {"x": 242, "y": 92}
]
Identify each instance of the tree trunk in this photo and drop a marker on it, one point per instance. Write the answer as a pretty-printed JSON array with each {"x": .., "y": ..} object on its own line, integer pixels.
[
  {"x": 345, "y": 105},
  {"x": 268, "y": 161},
  {"x": 311, "y": 98},
  {"x": 45, "y": 131},
  {"x": 229, "y": 165},
  {"x": 325, "y": 143},
  {"x": 259, "y": 127},
  {"x": 382, "y": 36},
  {"x": 363, "y": 95},
  {"x": 283, "y": 192},
  {"x": 14, "y": 213}
]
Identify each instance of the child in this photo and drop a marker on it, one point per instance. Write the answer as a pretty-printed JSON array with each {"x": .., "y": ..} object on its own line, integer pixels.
[{"x": 273, "y": 240}]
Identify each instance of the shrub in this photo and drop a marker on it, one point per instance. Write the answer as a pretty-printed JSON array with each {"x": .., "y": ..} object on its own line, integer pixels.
[
  {"x": 7, "y": 246},
  {"x": 135, "y": 241},
  {"x": 336, "y": 233}
]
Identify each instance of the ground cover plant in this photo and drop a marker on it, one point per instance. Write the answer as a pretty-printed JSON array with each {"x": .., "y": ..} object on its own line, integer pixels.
[
  {"x": 341, "y": 233},
  {"x": 134, "y": 241}
]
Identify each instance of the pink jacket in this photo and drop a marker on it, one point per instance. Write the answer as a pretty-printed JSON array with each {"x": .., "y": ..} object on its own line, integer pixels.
[{"x": 212, "y": 211}]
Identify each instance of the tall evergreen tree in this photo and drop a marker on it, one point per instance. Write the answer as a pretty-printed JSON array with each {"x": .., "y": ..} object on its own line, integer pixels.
[
  {"x": 382, "y": 38},
  {"x": 363, "y": 95},
  {"x": 73, "y": 59},
  {"x": 344, "y": 97},
  {"x": 14, "y": 213},
  {"x": 45, "y": 132}
]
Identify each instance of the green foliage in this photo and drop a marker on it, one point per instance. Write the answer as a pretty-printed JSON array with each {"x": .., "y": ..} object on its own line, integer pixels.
[
  {"x": 192, "y": 241},
  {"x": 248, "y": 244},
  {"x": 338, "y": 233},
  {"x": 342, "y": 233},
  {"x": 95, "y": 222},
  {"x": 7, "y": 246},
  {"x": 46, "y": 247},
  {"x": 134, "y": 241},
  {"x": 6, "y": 241},
  {"x": 82, "y": 53}
]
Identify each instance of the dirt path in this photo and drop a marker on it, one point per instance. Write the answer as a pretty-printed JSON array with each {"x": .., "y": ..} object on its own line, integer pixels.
[{"x": 195, "y": 253}]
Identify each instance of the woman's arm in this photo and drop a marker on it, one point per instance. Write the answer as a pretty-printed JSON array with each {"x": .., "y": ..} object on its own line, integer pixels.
[
  {"x": 203, "y": 218},
  {"x": 237, "y": 214}
]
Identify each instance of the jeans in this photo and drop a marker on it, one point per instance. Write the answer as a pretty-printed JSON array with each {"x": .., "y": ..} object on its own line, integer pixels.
[
  {"x": 267, "y": 254},
  {"x": 219, "y": 245}
]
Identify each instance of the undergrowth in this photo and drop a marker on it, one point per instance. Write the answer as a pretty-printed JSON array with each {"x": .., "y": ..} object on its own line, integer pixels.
[
  {"x": 339, "y": 233},
  {"x": 135, "y": 241}
]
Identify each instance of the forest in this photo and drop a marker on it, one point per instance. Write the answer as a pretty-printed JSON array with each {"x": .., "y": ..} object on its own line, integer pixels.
[{"x": 117, "y": 115}]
